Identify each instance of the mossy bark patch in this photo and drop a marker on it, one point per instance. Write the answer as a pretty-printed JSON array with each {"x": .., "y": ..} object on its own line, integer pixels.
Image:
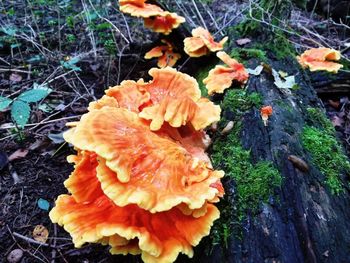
[{"x": 326, "y": 151}]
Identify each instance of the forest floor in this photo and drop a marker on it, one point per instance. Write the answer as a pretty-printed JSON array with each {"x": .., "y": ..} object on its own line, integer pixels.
[{"x": 73, "y": 48}]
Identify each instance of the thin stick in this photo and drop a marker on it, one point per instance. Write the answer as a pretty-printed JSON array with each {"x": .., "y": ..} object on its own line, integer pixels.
[
  {"x": 30, "y": 240},
  {"x": 42, "y": 122},
  {"x": 108, "y": 21},
  {"x": 199, "y": 14}
]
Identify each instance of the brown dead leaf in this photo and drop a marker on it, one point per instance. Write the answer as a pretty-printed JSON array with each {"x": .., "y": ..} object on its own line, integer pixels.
[
  {"x": 20, "y": 153},
  {"x": 40, "y": 233},
  {"x": 14, "y": 77},
  {"x": 334, "y": 103},
  {"x": 243, "y": 41}
]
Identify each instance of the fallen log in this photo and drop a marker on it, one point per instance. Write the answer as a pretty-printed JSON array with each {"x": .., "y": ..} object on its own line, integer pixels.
[{"x": 299, "y": 213}]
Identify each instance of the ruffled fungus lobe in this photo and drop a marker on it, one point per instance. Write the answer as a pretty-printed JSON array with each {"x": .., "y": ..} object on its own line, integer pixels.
[
  {"x": 202, "y": 43},
  {"x": 129, "y": 96},
  {"x": 164, "y": 22},
  {"x": 165, "y": 54},
  {"x": 142, "y": 191},
  {"x": 221, "y": 77},
  {"x": 320, "y": 59},
  {"x": 265, "y": 112},
  {"x": 139, "y": 8},
  {"x": 82, "y": 183},
  {"x": 159, "y": 237},
  {"x": 135, "y": 166},
  {"x": 175, "y": 99}
]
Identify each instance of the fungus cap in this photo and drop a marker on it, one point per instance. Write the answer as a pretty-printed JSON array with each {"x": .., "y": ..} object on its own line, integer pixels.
[
  {"x": 221, "y": 77},
  {"x": 165, "y": 54},
  {"x": 158, "y": 237},
  {"x": 135, "y": 164},
  {"x": 265, "y": 112},
  {"x": 320, "y": 59},
  {"x": 201, "y": 43},
  {"x": 139, "y": 8},
  {"x": 164, "y": 22},
  {"x": 208, "y": 39}
]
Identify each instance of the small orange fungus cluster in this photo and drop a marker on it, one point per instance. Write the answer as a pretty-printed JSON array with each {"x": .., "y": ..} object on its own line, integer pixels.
[
  {"x": 221, "y": 77},
  {"x": 266, "y": 112},
  {"x": 320, "y": 59},
  {"x": 155, "y": 18},
  {"x": 202, "y": 43},
  {"x": 165, "y": 54},
  {"x": 142, "y": 182}
]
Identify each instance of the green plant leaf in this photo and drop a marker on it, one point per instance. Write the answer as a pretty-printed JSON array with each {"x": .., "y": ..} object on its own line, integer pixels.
[
  {"x": 35, "y": 94},
  {"x": 4, "y": 102},
  {"x": 20, "y": 112}
]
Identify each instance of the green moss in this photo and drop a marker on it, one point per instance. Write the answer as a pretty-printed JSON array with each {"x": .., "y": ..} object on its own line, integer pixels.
[
  {"x": 254, "y": 183},
  {"x": 256, "y": 186},
  {"x": 243, "y": 54},
  {"x": 345, "y": 63},
  {"x": 319, "y": 119},
  {"x": 327, "y": 154},
  {"x": 201, "y": 75},
  {"x": 239, "y": 101},
  {"x": 284, "y": 105},
  {"x": 246, "y": 28},
  {"x": 277, "y": 45}
]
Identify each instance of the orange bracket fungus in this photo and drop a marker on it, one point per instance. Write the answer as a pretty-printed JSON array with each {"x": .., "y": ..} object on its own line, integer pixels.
[
  {"x": 202, "y": 43},
  {"x": 165, "y": 54},
  {"x": 221, "y": 77},
  {"x": 155, "y": 18},
  {"x": 139, "y": 8},
  {"x": 320, "y": 59},
  {"x": 176, "y": 99},
  {"x": 138, "y": 190},
  {"x": 265, "y": 112},
  {"x": 164, "y": 22}
]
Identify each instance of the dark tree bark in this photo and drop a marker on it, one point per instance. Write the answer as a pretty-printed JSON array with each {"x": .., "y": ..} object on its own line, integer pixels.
[
  {"x": 304, "y": 221},
  {"x": 308, "y": 223}
]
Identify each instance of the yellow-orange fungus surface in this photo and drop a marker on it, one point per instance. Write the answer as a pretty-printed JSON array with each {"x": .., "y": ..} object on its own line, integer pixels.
[
  {"x": 165, "y": 54},
  {"x": 142, "y": 182},
  {"x": 158, "y": 237},
  {"x": 83, "y": 183},
  {"x": 176, "y": 99},
  {"x": 128, "y": 95},
  {"x": 320, "y": 59},
  {"x": 202, "y": 43},
  {"x": 139, "y": 8},
  {"x": 221, "y": 77},
  {"x": 267, "y": 110},
  {"x": 139, "y": 163},
  {"x": 164, "y": 22}
]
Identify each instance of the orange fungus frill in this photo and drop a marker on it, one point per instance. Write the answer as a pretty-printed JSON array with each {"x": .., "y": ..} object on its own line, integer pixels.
[
  {"x": 221, "y": 77},
  {"x": 139, "y": 8},
  {"x": 138, "y": 189},
  {"x": 155, "y": 18},
  {"x": 157, "y": 237},
  {"x": 265, "y": 112},
  {"x": 320, "y": 59},
  {"x": 175, "y": 99},
  {"x": 136, "y": 165},
  {"x": 202, "y": 43},
  {"x": 164, "y": 22},
  {"x": 165, "y": 54}
]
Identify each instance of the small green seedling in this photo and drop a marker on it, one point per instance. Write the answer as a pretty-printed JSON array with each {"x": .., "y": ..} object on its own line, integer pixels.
[{"x": 20, "y": 108}]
